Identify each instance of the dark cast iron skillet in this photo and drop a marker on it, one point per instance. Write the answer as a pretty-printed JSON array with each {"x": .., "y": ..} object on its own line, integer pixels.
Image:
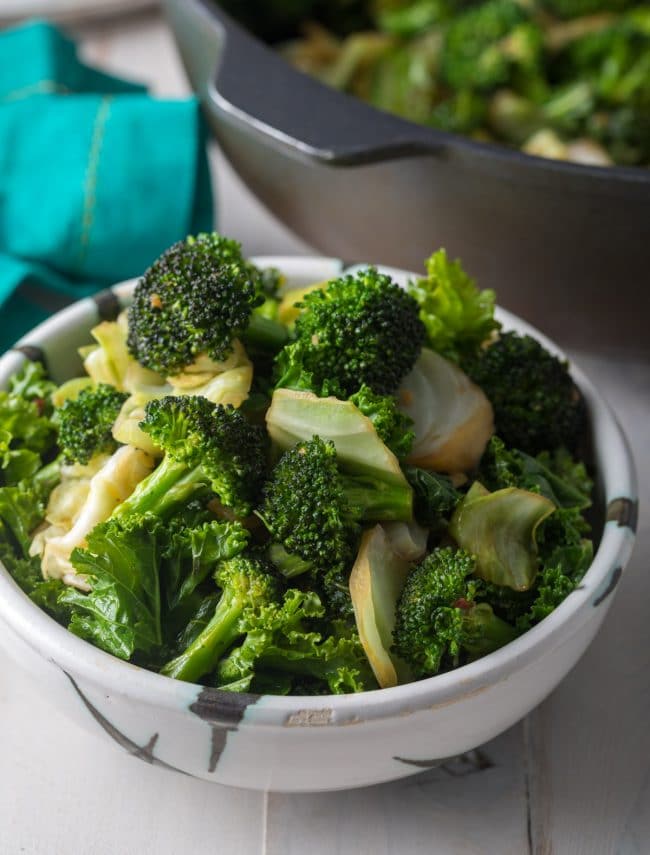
[{"x": 565, "y": 246}]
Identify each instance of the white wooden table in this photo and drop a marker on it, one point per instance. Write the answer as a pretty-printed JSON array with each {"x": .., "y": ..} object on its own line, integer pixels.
[{"x": 574, "y": 777}]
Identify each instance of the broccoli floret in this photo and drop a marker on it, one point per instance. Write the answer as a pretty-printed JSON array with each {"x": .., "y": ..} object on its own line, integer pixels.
[
  {"x": 360, "y": 329},
  {"x": 207, "y": 447},
  {"x": 392, "y": 426},
  {"x": 85, "y": 423},
  {"x": 476, "y": 51},
  {"x": 322, "y": 528},
  {"x": 194, "y": 300},
  {"x": 438, "y": 619},
  {"x": 280, "y": 639},
  {"x": 247, "y": 586},
  {"x": 537, "y": 406}
]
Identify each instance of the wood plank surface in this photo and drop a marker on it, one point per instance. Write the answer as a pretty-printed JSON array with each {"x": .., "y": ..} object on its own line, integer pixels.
[
  {"x": 65, "y": 791},
  {"x": 474, "y": 805}
]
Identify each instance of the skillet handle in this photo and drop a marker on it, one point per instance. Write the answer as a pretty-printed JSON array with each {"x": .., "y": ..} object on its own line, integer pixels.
[{"x": 242, "y": 81}]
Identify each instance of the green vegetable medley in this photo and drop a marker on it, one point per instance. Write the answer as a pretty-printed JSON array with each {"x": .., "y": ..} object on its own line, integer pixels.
[
  {"x": 323, "y": 490},
  {"x": 567, "y": 79}
]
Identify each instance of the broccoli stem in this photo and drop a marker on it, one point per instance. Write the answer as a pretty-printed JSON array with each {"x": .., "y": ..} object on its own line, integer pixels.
[
  {"x": 265, "y": 334},
  {"x": 378, "y": 500},
  {"x": 288, "y": 564},
  {"x": 487, "y": 632},
  {"x": 46, "y": 479},
  {"x": 168, "y": 486},
  {"x": 204, "y": 652}
]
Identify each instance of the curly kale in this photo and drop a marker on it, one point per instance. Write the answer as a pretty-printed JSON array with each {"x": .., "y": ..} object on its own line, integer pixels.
[
  {"x": 360, "y": 329},
  {"x": 31, "y": 383},
  {"x": 145, "y": 576},
  {"x": 457, "y": 316},
  {"x": 281, "y": 639},
  {"x": 564, "y": 550},
  {"x": 247, "y": 586},
  {"x": 27, "y": 441},
  {"x": 556, "y": 475},
  {"x": 27, "y": 432},
  {"x": 22, "y": 509}
]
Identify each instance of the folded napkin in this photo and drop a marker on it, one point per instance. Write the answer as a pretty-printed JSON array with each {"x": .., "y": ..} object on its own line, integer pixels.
[{"x": 96, "y": 177}]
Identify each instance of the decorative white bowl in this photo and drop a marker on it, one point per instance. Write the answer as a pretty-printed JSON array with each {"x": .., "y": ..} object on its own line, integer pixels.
[{"x": 326, "y": 742}]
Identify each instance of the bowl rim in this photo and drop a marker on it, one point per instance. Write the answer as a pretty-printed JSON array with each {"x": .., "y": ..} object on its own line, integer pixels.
[{"x": 76, "y": 656}]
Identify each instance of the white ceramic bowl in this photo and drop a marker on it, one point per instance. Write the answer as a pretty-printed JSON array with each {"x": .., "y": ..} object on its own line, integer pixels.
[{"x": 326, "y": 742}]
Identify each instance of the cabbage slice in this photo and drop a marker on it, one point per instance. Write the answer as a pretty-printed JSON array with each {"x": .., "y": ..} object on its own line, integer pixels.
[
  {"x": 108, "y": 487},
  {"x": 408, "y": 540},
  {"x": 376, "y": 582},
  {"x": 296, "y": 416},
  {"x": 452, "y": 418},
  {"x": 499, "y": 529}
]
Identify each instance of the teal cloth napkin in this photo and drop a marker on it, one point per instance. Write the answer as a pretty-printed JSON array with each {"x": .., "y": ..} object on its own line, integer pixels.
[{"x": 97, "y": 178}]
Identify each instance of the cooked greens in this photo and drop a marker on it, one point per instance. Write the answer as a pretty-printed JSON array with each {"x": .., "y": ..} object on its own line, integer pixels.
[
  {"x": 566, "y": 79},
  {"x": 337, "y": 489}
]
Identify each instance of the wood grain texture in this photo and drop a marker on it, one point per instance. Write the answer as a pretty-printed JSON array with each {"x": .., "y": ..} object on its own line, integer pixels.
[
  {"x": 472, "y": 805},
  {"x": 63, "y": 790}
]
